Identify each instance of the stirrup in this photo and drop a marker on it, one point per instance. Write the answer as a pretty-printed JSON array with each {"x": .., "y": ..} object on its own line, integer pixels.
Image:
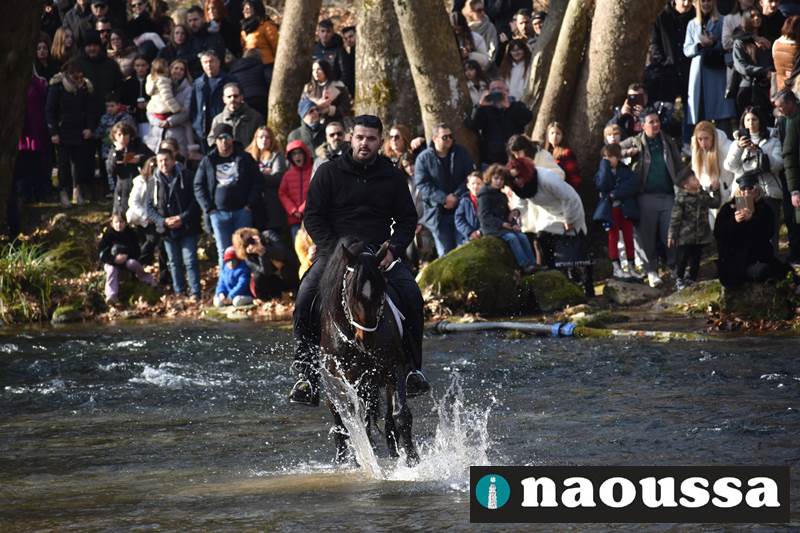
[
  {"x": 416, "y": 384},
  {"x": 304, "y": 392}
]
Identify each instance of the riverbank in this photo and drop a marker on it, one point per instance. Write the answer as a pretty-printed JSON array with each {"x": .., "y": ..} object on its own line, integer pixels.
[{"x": 52, "y": 275}]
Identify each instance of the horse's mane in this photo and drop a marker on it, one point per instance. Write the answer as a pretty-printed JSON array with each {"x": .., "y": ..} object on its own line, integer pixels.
[{"x": 330, "y": 288}]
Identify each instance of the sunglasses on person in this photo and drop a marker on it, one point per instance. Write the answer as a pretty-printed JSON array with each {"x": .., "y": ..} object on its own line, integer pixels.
[
  {"x": 336, "y": 134},
  {"x": 448, "y": 137}
]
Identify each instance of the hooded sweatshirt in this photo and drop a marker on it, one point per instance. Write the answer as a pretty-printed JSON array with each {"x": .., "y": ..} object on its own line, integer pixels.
[{"x": 295, "y": 182}]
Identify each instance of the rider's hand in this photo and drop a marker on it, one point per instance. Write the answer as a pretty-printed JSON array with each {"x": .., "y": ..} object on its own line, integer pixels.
[{"x": 387, "y": 259}]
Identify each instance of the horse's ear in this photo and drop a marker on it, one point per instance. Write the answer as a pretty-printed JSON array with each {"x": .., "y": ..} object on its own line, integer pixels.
[
  {"x": 382, "y": 251},
  {"x": 348, "y": 255}
]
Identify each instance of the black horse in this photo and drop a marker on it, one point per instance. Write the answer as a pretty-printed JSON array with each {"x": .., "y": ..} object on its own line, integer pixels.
[{"x": 360, "y": 342}]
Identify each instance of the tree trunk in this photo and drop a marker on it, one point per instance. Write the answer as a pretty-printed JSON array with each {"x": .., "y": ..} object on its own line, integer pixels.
[
  {"x": 617, "y": 52},
  {"x": 383, "y": 86},
  {"x": 543, "y": 55},
  {"x": 565, "y": 67},
  {"x": 292, "y": 64},
  {"x": 436, "y": 68},
  {"x": 19, "y": 29}
]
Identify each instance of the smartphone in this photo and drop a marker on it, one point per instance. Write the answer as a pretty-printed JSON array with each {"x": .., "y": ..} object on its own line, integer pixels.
[
  {"x": 743, "y": 133},
  {"x": 742, "y": 202}
]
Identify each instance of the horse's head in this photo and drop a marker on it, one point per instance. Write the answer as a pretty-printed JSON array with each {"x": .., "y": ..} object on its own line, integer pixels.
[{"x": 363, "y": 287}]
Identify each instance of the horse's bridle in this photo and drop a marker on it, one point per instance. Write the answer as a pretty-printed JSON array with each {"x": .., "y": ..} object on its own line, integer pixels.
[{"x": 348, "y": 314}]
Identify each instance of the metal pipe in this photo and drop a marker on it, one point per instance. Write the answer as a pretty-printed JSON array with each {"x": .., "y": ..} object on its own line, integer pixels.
[{"x": 565, "y": 329}]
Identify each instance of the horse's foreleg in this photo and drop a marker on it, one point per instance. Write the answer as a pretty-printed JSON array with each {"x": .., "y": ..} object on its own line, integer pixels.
[
  {"x": 371, "y": 395},
  {"x": 388, "y": 422},
  {"x": 403, "y": 420},
  {"x": 339, "y": 437}
]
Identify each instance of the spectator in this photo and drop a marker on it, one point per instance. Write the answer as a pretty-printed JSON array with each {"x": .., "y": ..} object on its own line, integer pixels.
[
  {"x": 563, "y": 154},
  {"x": 254, "y": 80},
  {"x": 103, "y": 72},
  {"x": 272, "y": 265},
  {"x": 496, "y": 119},
  {"x": 200, "y": 42},
  {"x": 348, "y": 58},
  {"x": 618, "y": 208},
  {"x": 71, "y": 118},
  {"x": 115, "y": 112},
  {"x": 743, "y": 231},
  {"x": 468, "y": 223},
  {"x": 328, "y": 48},
  {"x": 522, "y": 28},
  {"x": 330, "y": 96},
  {"x": 51, "y": 20},
  {"x": 227, "y": 186},
  {"x": 707, "y": 77},
  {"x": 399, "y": 143},
  {"x": 79, "y": 21},
  {"x": 785, "y": 51},
  {"x": 310, "y": 130},
  {"x": 667, "y": 71},
  {"x": 218, "y": 22},
  {"x": 657, "y": 161},
  {"x": 178, "y": 46},
  {"x": 689, "y": 228},
  {"x": 136, "y": 212},
  {"x": 788, "y": 125},
  {"x": 479, "y": 23},
  {"x": 140, "y": 21},
  {"x": 134, "y": 94},
  {"x": 64, "y": 47},
  {"x": 519, "y": 146},
  {"x": 259, "y": 33},
  {"x": 772, "y": 26},
  {"x": 470, "y": 44},
  {"x": 496, "y": 219},
  {"x": 176, "y": 125},
  {"x": 207, "y": 100},
  {"x": 31, "y": 168},
  {"x": 612, "y": 134},
  {"x": 44, "y": 65},
  {"x": 757, "y": 152},
  {"x": 121, "y": 50},
  {"x": 268, "y": 153},
  {"x": 502, "y": 14},
  {"x": 732, "y": 22},
  {"x": 477, "y": 82},
  {"x": 238, "y": 115},
  {"x": 628, "y": 115},
  {"x": 294, "y": 184},
  {"x": 440, "y": 174},
  {"x": 335, "y": 145},
  {"x": 103, "y": 27},
  {"x": 752, "y": 65},
  {"x": 710, "y": 147},
  {"x": 123, "y": 163},
  {"x": 119, "y": 249},
  {"x": 515, "y": 68},
  {"x": 233, "y": 287},
  {"x": 177, "y": 215},
  {"x": 537, "y": 22}
]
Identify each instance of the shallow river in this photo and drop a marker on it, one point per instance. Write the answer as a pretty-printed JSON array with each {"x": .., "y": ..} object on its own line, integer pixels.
[{"x": 186, "y": 427}]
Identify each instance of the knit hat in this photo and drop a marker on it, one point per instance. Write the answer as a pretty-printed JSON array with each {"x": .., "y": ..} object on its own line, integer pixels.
[
  {"x": 230, "y": 254},
  {"x": 304, "y": 106},
  {"x": 222, "y": 129},
  {"x": 92, "y": 37}
]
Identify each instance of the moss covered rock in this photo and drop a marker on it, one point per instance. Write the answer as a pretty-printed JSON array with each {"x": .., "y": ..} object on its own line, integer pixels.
[
  {"x": 67, "y": 312},
  {"x": 759, "y": 301},
  {"x": 481, "y": 276},
  {"x": 695, "y": 299},
  {"x": 131, "y": 290}
]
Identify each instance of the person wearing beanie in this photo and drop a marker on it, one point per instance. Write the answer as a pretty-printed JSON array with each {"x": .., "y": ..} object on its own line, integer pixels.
[
  {"x": 233, "y": 287},
  {"x": 311, "y": 131}
]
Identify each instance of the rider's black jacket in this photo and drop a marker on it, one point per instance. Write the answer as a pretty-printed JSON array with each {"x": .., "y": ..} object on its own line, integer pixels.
[{"x": 350, "y": 198}]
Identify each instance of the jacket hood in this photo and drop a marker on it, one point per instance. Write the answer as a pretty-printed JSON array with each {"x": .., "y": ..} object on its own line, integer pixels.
[
  {"x": 69, "y": 85},
  {"x": 294, "y": 145}
]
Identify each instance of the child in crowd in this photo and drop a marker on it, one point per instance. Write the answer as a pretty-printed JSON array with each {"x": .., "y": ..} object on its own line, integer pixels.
[
  {"x": 115, "y": 112},
  {"x": 136, "y": 214},
  {"x": 612, "y": 134},
  {"x": 562, "y": 153},
  {"x": 294, "y": 184},
  {"x": 496, "y": 219},
  {"x": 233, "y": 287},
  {"x": 468, "y": 223},
  {"x": 689, "y": 228},
  {"x": 158, "y": 86},
  {"x": 119, "y": 249},
  {"x": 618, "y": 207}
]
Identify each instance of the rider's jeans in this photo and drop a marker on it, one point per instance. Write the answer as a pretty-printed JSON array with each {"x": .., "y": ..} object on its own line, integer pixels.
[{"x": 306, "y": 330}]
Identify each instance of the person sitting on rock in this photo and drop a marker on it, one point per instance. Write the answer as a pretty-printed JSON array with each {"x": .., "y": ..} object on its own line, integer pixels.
[
  {"x": 233, "y": 287},
  {"x": 119, "y": 249},
  {"x": 468, "y": 223},
  {"x": 273, "y": 267},
  {"x": 743, "y": 230}
]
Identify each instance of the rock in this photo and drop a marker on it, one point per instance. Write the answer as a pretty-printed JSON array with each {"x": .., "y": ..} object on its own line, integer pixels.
[
  {"x": 131, "y": 290},
  {"x": 599, "y": 319},
  {"x": 481, "y": 277},
  {"x": 66, "y": 313},
  {"x": 695, "y": 299},
  {"x": 629, "y": 293},
  {"x": 759, "y": 301}
]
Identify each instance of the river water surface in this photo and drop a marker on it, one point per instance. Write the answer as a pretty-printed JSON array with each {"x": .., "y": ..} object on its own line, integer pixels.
[{"x": 185, "y": 427}]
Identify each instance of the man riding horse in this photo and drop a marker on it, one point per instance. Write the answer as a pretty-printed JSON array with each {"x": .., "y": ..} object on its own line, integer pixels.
[{"x": 359, "y": 194}]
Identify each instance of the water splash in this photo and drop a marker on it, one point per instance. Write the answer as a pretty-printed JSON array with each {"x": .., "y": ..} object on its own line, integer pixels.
[
  {"x": 461, "y": 438},
  {"x": 165, "y": 376}
]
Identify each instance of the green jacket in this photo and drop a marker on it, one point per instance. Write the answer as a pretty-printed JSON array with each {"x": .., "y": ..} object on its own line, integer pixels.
[
  {"x": 640, "y": 163},
  {"x": 689, "y": 221},
  {"x": 791, "y": 156}
]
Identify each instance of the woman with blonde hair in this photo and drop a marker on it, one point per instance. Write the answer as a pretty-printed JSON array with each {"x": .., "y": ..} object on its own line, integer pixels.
[
  {"x": 63, "y": 48},
  {"x": 266, "y": 149},
  {"x": 709, "y": 148}
]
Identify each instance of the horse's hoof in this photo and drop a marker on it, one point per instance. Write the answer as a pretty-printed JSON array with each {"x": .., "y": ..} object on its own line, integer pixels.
[{"x": 412, "y": 459}]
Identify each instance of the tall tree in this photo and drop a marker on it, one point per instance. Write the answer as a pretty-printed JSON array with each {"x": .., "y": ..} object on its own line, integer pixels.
[
  {"x": 565, "y": 66},
  {"x": 383, "y": 86},
  {"x": 292, "y": 64},
  {"x": 19, "y": 27},
  {"x": 617, "y": 51},
  {"x": 543, "y": 52},
  {"x": 436, "y": 68}
]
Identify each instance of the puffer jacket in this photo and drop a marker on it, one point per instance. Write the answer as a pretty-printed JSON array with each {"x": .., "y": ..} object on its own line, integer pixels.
[
  {"x": 767, "y": 181},
  {"x": 622, "y": 186},
  {"x": 264, "y": 39},
  {"x": 295, "y": 182},
  {"x": 492, "y": 210},
  {"x": 689, "y": 223},
  {"x": 70, "y": 109},
  {"x": 141, "y": 195},
  {"x": 162, "y": 97},
  {"x": 467, "y": 220},
  {"x": 234, "y": 281}
]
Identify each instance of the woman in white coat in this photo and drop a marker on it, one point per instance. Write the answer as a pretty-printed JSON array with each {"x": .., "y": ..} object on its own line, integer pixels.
[
  {"x": 709, "y": 149},
  {"x": 757, "y": 149}
]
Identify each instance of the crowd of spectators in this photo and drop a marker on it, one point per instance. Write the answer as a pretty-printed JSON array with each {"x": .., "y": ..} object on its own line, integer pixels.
[{"x": 165, "y": 113}]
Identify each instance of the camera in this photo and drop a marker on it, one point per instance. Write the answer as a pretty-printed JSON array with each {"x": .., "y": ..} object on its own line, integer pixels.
[
  {"x": 636, "y": 99},
  {"x": 495, "y": 97}
]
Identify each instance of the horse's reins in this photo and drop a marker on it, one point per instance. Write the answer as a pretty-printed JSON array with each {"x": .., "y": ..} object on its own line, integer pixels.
[{"x": 348, "y": 314}]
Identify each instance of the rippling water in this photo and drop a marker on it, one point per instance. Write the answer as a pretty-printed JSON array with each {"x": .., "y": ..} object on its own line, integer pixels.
[{"x": 186, "y": 427}]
